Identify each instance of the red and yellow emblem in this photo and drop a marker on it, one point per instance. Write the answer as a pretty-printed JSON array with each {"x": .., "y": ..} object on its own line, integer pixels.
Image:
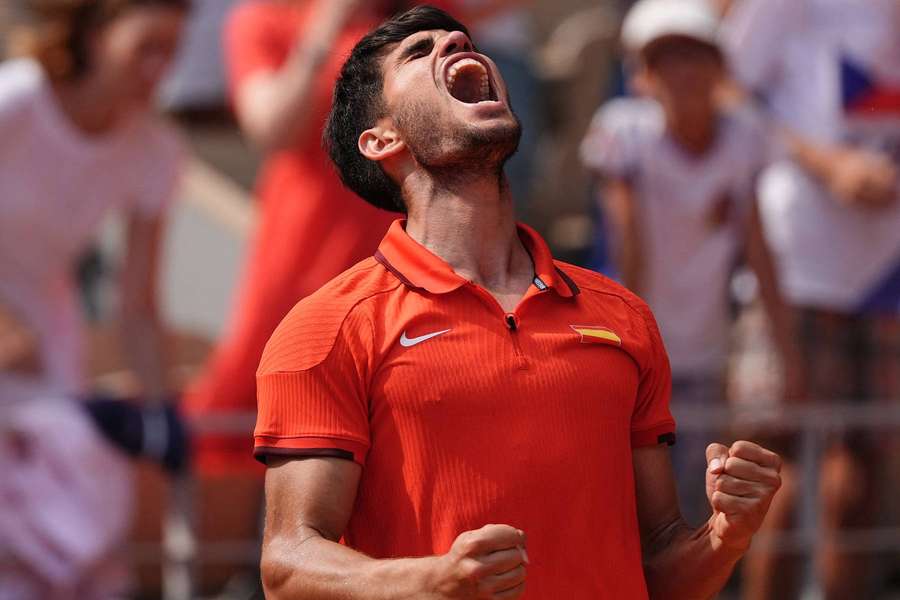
[{"x": 597, "y": 335}]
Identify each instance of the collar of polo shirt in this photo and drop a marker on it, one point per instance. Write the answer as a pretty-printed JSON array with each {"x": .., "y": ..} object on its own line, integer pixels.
[{"x": 418, "y": 267}]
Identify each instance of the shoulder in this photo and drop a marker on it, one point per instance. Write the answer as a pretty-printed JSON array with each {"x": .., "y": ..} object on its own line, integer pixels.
[
  {"x": 610, "y": 297},
  {"x": 635, "y": 116},
  {"x": 620, "y": 132},
  {"x": 308, "y": 333},
  {"x": 20, "y": 82}
]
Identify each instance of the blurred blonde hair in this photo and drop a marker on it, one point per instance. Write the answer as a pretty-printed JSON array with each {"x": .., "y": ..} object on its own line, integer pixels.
[{"x": 57, "y": 32}]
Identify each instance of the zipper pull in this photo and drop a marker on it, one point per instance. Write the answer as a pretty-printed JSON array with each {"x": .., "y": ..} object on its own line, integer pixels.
[{"x": 511, "y": 321}]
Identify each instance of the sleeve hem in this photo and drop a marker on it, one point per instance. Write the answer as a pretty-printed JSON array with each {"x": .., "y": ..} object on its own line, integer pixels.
[
  {"x": 663, "y": 433},
  {"x": 265, "y": 446}
]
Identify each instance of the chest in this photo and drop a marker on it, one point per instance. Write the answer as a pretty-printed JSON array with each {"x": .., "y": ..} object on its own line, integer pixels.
[
  {"x": 692, "y": 202},
  {"x": 461, "y": 365},
  {"x": 52, "y": 198}
]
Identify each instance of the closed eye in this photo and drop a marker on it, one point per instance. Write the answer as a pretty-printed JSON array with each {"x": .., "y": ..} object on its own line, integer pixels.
[{"x": 420, "y": 49}]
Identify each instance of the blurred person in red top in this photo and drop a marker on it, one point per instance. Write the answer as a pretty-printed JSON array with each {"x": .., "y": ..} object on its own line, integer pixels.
[{"x": 282, "y": 60}]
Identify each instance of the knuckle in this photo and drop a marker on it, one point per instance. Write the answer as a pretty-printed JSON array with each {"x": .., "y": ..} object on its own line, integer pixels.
[
  {"x": 470, "y": 570},
  {"x": 470, "y": 545},
  {"x": 741, "y": 447}
]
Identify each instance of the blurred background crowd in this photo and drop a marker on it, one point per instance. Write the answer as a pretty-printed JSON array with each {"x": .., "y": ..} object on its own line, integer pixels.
[{"x": 165, "y": 200}]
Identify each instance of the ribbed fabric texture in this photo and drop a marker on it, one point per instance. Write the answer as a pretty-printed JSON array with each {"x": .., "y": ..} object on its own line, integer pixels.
[{"x": 480, "y": 424}]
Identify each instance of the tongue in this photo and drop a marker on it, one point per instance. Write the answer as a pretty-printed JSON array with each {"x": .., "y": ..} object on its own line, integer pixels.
[{"x": 467, "y": 87}]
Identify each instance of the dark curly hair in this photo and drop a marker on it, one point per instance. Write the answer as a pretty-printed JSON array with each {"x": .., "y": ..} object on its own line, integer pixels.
[{"x": 358, "y": 103}]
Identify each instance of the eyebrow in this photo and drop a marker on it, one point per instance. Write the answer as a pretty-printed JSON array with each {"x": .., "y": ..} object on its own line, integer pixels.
[{"x": 426, "y": 43}]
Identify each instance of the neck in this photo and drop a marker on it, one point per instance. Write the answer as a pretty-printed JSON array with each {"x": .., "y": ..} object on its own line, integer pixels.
[
  {"x": 87, "y": 107},
  {"x": 471, "y": 225},
  {"x": 696, "y": 135}
]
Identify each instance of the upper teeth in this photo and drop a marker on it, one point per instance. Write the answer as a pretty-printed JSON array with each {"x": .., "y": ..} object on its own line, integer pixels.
[{"x": 458, "y": 66}]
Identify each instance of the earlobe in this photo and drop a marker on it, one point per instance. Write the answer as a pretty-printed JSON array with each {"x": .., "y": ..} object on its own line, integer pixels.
[{"x": 380, "y": 142}]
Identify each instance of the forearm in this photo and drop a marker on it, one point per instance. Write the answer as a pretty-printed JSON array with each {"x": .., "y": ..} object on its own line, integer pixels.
[
  {"x": 812, "y": 157},
  {"x": 275, "y": 108},
  {"x": 315, "y": 568},
  {"x": 628, "y": 252},
  {"x": 760, "y": 260},
  {"x": 144, "y": 343},
  {"x": 688, "y": 564},
  {"x": 278, "y": 112}
]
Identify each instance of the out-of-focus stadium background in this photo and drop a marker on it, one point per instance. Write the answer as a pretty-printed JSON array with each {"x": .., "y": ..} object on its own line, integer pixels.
[{"x": 574, "y": 63}]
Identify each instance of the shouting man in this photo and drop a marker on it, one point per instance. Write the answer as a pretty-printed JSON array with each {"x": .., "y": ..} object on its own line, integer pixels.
[{"x": 461, "y": 416}]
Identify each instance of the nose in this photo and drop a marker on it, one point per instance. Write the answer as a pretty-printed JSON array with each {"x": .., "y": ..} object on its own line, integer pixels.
[{"x": 456, "y": 41}]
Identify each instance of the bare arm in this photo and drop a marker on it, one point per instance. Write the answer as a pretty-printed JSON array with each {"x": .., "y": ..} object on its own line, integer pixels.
[
  {"x": 309, "y": 503},
  {"x": 273, "y": 107},
  {"x": 621, "y": 210},
  {"x": 855, "y": 176},
  {"x": 760, "y": 260},
  {"x": 142, "y": 331},
  {"x": 681, "y": 563}
]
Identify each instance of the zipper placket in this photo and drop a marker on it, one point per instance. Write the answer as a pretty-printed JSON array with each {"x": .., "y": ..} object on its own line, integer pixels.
[{"x": 512, "y": 323}]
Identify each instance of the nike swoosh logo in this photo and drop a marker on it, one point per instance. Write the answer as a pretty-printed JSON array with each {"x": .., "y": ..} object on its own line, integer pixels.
[{"x": 408, "y": 342}]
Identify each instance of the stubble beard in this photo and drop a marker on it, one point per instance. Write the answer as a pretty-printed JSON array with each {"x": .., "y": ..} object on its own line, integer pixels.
[{"x": 452, "y": 153}]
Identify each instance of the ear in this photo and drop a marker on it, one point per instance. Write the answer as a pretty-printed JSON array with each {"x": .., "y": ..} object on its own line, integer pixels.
[{"x": 381, "y": 142}]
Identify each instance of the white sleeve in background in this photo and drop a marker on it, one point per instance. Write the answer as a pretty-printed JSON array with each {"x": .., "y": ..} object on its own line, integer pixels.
[
  {"x": 753, "y": 33},
  {"x": 160, "y": 166},
  {"x": 618, "y": 133}
]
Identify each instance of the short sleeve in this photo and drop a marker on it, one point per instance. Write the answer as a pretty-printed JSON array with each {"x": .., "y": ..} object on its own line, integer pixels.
[
  {"x": 253, "y": 43},
  {"x": 312, "y": 389},
  {"x": 753, "y": 35},
  {"x": 617, "y": 134},
  {"x": 651, "y": 421},
  {"x": 163, "y": 155}
]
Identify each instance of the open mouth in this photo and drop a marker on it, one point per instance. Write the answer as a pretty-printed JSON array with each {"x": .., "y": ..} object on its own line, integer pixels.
[{"x": 469, "y": 82}]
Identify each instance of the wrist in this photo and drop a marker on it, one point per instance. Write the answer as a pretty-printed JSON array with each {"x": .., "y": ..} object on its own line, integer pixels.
[
  {"x": 409, "y": 578},
  {"x": 729, "y": 548}
]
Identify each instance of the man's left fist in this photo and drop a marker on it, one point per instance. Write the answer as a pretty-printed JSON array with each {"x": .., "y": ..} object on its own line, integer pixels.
[{"x": 740, "y": 484}]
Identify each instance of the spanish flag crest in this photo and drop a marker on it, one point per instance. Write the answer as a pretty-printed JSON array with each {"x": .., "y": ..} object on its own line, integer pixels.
[{"x": 591, "y": 334}]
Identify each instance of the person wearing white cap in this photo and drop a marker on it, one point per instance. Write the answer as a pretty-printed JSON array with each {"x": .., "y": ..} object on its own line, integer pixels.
[{"x": 677, "y": 175}]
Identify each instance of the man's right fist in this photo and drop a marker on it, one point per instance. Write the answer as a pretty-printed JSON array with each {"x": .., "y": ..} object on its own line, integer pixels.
[{"x": 485, "y": 563}]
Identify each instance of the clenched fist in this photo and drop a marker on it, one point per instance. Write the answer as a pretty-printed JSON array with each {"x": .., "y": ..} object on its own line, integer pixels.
[
  {"x": 485, "y": 563},
  {"x": 740, "y": 484}
]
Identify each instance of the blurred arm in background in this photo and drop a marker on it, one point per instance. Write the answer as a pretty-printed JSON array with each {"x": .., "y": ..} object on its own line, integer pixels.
[
  {"x": 143, "y": 335},
  {"x": 856, "y": 176},
  {"x": 759, "y": 258},
  {"x": 620, "y": 207},
  {"x": 273, "y": 106}
]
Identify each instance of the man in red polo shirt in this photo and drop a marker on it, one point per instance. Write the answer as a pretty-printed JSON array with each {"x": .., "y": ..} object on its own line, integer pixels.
[{"x": 434, "y": 407}]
